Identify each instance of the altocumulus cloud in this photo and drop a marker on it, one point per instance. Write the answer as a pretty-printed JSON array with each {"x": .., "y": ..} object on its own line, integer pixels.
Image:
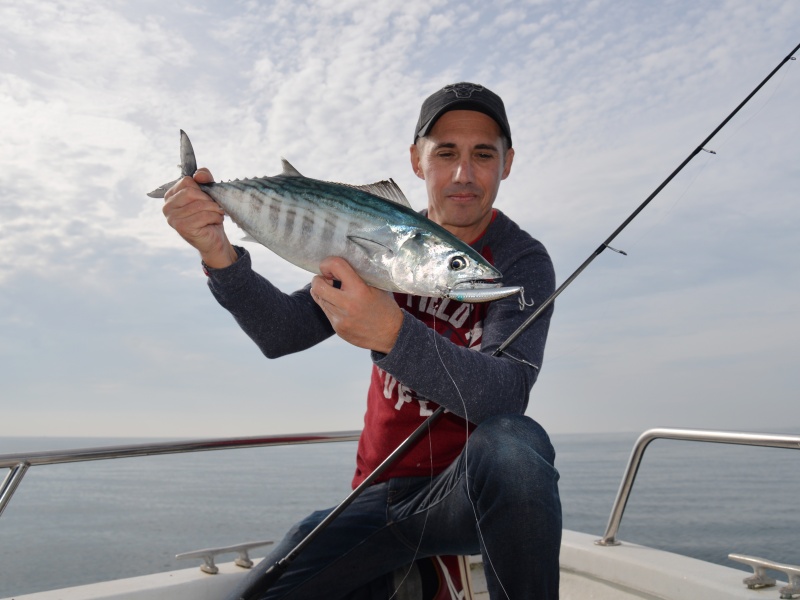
[{"x": 105, "y": 325}]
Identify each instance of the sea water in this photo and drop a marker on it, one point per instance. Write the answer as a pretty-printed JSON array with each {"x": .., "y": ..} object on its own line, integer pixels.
[{"x": 80, "y": 523}]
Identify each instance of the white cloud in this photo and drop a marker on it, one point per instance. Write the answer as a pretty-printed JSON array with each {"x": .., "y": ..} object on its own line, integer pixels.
[{"x": 605, "y": 100}]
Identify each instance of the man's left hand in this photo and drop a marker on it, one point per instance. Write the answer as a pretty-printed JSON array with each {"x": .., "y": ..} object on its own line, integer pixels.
[{"x": 359, "y": 313}]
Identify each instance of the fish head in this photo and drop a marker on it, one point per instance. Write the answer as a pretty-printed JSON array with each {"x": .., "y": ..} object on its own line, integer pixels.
[{"x": 430, "y": 264}]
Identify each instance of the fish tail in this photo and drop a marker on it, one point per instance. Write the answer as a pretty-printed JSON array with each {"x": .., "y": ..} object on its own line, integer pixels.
[{"x": 188, "y": 166}]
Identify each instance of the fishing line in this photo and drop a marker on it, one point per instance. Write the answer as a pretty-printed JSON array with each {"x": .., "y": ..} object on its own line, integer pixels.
[
  {"x": 717, "y": 146},
  {"x": 424, "y": 523},
  {"x": 756, "y": 112},
  {"x": 700, "y": 148},
  {"x": 466, "y": 456},
  {"x": 273, "y": 572},
  {"x": 601, "y": 316},
  {"x": 669, "y": 209}
]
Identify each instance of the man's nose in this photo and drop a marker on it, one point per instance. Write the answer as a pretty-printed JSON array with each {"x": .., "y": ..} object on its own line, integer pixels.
[{"x": 463, "y": 173}]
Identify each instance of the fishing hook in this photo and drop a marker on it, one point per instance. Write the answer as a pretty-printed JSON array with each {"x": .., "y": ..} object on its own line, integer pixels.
[{"x": 523, "y": 304}]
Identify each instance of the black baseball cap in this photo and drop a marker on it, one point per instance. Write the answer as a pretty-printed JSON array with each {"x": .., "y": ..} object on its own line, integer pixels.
[{"x": 461, "y": 96}]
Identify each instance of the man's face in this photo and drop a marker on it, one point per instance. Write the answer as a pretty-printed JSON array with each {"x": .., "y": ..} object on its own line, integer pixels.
[{"x": 462, "y": 160}]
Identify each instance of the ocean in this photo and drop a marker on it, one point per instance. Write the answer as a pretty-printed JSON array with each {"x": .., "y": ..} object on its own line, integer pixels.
[{"x": 81, "y": 523}]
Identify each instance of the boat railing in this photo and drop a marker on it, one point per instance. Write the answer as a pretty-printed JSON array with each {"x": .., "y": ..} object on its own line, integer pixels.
[
  {"x": 18, "y": 464},
  {"x": 691, "y": 435}
]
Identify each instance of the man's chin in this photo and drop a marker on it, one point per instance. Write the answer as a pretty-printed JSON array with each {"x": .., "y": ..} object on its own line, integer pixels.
[{"x": 457, "y": 221}]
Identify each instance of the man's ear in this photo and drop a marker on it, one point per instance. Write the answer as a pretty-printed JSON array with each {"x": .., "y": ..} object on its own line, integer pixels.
[
  {"x": 415, "y": 161},
  {"x": 508, "y": 160}
]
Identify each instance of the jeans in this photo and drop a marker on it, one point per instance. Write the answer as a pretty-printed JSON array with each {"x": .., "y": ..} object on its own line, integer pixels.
[{"x": 499, "y": 498}]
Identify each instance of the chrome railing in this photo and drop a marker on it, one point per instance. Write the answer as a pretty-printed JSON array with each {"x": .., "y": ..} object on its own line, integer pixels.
[
  {"x": 18, "y": 464},
  {"x": 692, "y": 435}
]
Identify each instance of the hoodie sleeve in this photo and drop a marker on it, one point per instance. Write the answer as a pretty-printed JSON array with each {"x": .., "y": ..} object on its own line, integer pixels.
[
  {"x": 477, "y": 385},
  {"x": 278, "y": 323}
]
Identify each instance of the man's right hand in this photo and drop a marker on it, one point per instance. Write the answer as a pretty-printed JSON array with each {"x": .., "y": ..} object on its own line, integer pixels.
[{"x": 198, "y": 219}]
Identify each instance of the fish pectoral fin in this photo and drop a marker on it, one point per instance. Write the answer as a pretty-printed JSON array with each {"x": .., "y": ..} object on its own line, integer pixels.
[
  {"x": 249, "y": 238},
  {"x": 375, "y": 251}
]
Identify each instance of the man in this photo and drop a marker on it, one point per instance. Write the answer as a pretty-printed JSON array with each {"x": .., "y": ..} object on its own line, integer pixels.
[{"x": 496, "y": 494}]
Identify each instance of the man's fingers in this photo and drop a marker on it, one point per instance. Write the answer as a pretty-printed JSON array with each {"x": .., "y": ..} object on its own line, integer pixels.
[
  {"x": 193, "y": 201},
  {"x": 189, "y": 199},
  {"x": 203, "y": 175},
  {"x": 337, "y": 277},
  {"x": 338, "y": 272},
  {"x": 189, "y": 220},
  {"x": 183, "y": 183},
  {"x": 322, "y": 290},
  {"x": 360, "y": 314},
  {"x": 190, "y": 211}
]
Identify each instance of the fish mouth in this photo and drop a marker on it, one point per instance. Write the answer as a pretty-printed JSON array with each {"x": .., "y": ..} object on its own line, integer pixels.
[{"x": 476, "y": 284}]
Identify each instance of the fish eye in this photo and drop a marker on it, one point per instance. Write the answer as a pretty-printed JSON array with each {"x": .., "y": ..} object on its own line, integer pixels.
[{"x": 457, "y": 263}]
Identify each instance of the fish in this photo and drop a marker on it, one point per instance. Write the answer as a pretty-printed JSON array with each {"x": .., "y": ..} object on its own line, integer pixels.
[{"x": 373, "y": 227}]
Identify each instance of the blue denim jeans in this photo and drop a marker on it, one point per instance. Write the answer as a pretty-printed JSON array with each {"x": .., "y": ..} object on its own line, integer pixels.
[{"x": 499, "y": 499}]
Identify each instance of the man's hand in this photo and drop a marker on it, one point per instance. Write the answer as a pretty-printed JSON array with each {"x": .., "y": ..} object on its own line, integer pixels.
[
  {"x": 198, "y": 220},
  {"x": 361, "y": 314}
]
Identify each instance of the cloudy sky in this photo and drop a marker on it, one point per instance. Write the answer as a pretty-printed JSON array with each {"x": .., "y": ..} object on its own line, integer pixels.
[{"x": 107, "y": 327}]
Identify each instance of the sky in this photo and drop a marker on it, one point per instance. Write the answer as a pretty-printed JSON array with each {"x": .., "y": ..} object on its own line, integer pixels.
[{"x": 107, "y": 327}]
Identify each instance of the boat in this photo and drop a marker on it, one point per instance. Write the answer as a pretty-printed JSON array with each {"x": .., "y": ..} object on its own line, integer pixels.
[{"x": 604, "y": 568}]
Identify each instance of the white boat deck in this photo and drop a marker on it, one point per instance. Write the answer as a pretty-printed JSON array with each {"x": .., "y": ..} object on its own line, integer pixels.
[{"x": 588, "y": 571}]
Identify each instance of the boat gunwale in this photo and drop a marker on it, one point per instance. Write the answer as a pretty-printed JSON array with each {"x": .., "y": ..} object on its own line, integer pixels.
[{"x": 19, "y": 463}]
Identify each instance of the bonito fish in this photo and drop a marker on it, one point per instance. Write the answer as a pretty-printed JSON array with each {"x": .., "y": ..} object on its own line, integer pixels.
[{"x": 373, "y": 227}]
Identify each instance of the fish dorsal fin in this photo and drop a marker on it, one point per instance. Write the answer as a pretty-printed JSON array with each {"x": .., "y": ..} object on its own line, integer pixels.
[
  {"x": 388, "y": 190},
  {"x": 289, "y": 170}
]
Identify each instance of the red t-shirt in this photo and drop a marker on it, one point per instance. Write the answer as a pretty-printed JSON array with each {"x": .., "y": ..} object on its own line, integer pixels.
[{"x": 394, "y": 410}]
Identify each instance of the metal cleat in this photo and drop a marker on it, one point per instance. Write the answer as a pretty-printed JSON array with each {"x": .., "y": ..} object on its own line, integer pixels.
[
  {"x": 209, "y": 554},
  {"x": 760, "y": 579},
  {"x": 793, "y": 589}
]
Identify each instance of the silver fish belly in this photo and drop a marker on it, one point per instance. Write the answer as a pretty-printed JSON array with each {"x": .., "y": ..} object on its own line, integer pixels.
[{"x": 390, "y": 246}]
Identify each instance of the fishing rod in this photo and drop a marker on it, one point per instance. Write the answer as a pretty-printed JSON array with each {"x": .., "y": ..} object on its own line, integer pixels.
[{"x": 273, "y": 573}]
